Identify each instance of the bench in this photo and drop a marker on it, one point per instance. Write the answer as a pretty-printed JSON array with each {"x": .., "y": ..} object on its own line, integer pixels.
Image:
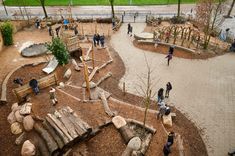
[{"x": 23, "y": 91}]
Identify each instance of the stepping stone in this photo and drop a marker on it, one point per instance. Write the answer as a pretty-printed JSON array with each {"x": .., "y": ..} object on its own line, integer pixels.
[
  {"x": 119, "y": 121},
  {"x": 68, "y": 73},
  {"x": 134, "y": 143},
  {"x": 26, "y": 108},
  {"x": 167, "y": 120},
  {"x": 16, "y": 128},
  {"x": 28, "y": 149}
]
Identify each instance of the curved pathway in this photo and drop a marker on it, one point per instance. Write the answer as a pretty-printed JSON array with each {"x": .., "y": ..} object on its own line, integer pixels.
[{"x": 202, "y": 89}]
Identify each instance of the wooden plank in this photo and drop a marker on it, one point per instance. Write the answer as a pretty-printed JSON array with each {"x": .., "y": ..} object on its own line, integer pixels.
[
  {"x": 93, "y": 73},
  {"x": 50, "y": 142},
  {"x": 60, "y": 125},
  {"x": 68, "y": 124},
  {"x": 53, "y": 133},
  {"x": 105, "y": 105},
  {"x": 58, "y": 131}
]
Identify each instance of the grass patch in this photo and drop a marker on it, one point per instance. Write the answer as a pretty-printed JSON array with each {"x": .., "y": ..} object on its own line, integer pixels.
[{"x": 92, "y": 2}]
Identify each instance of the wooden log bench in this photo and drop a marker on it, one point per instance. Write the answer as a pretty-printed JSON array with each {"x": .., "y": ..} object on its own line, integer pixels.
[{"x": 23, "y": 91}]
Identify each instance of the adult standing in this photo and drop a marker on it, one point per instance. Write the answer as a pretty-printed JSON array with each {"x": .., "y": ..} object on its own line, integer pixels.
[
  {"x": 168, "y": 89},
  {"x": 170, "y": 139},
  {"x": 131, "y": 29},
  {"x": 160, "y": 96},
  {"x": 94, "y": 39},
  {"x": 166, "y": 150},
  {"x": 171, "y": 50},
  {"x": 98, "y": 39},
  {"x": 102, "y": 40},
  {"x": 128, "y": 28}
]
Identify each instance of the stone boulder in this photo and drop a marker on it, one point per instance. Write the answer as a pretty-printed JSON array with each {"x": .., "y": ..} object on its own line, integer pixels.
[
  {"x": 18, "y": 116},
  {"x": 118, "y": 121},
  {"x": 28, "y": 149},
  {"x": 68, "y": 73},
  {"x": 134, "y": 143},
  {"x": 26, "y": 108},
  {"x": 167, "y": 120},
  {"x": 16, "y": 128},
  {"x": 28, "y": 123},
  {"x": 11, "y": 118},
  {"x": 14, "y": 107}
]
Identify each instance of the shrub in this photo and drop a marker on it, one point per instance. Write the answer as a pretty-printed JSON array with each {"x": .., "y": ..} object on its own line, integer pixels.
[
  {"x": 59, "y": 50},
  {"x": 7, "y": 33},
  {"x": 178, "y": 20}
]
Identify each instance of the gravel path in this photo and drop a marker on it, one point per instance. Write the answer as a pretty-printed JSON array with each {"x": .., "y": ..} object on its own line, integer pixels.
[{"x": 202, "y": 89}]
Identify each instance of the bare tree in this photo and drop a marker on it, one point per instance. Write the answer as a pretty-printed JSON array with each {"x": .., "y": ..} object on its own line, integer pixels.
[
  {"x": 208, "y": 16},
  {"x": 42, "y": 2},
  {"x": 112, "y": 4},
  {"x": 178, "y": 9},
  {"x": 230, "y": 9},
  {"x": 146, "y": 88}
]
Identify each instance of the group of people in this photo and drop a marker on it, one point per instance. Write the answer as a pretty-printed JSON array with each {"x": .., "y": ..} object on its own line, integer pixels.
[
  {"x": 33, "y": 83},
  {"x": 162, "y": 106},
  {"x": 98, "y": 40}
]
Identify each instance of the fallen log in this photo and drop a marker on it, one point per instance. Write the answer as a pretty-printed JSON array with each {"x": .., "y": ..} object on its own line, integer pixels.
[
  {"x": 81, "y": 123},
  {"x": 50, "y": 129},
  {"x": 109, "y": 74},
  {"x": 68, "y": 124},
  {"x": 105, "y": 105},
  {"x": 51, "y": 144},
  {"x": 60, "y": 125},
  {"x": 78, "y": 129},
  {"x": 126, "y": 133},
  {"x": 57, "y": 129}
]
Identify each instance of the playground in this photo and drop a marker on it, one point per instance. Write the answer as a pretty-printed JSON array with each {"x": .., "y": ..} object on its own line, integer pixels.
[{"x": 97, "y": 107}]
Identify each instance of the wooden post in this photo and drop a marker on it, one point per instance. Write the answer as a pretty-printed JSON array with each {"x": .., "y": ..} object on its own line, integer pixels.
[
  {"x": 86, "y": 76},
  {"x": 92, "y": 55},
  {"x": 82, "y": 30}
]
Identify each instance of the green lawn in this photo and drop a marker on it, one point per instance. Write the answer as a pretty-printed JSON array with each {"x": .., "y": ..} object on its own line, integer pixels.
[{"x": 92, "y": 2}]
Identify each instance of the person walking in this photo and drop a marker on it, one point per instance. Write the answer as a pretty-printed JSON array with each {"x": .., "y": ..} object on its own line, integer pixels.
[
  {"x": 98, "y": 39},
  {"x": 169, "y": 57},
  {"x": 128, "y": 28},
  {"x": 168, "y": 89},
  {"x": 160, "y": 95},
  {"x": 131, "y": 29},
  {"x": 53, "y": 96},
  {"x": 94, "y": 39}
]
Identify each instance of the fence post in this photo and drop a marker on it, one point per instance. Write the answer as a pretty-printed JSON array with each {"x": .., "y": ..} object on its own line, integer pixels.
[{"x": 122, "y": 18}]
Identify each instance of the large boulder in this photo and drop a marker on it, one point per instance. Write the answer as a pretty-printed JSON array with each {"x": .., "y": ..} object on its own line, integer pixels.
[
  {"x": 18, "y": 116},
  {"x": 26, "y": 108},
  {"x": 14, "y": 107},
  {"x": 167, "y": 120},
  {"x": 11, "y": 118},
  {"x": 118, "y": 121},
  {"x": 28, "y": 123},
  {"x": 28, "y": 149},
  {"x": 134, "y": 143},
  {"x": 68, "y": 73},
  {"x": 16, "y": 128}
]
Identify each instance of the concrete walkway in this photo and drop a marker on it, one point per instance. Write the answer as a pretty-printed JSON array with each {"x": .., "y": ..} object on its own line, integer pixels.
[{"x": 202, "y": 89}]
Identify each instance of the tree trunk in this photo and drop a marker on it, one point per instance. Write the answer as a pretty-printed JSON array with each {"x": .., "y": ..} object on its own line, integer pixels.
[
  {"x": 178, "y": 12},
  {"x": 231, "y": 8},
  {"x": 43, "y": 7},
  {"x": 111, "y": 3}
]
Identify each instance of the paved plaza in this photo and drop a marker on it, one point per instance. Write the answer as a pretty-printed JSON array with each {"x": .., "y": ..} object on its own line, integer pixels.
[{"x": 202, "y": 89}]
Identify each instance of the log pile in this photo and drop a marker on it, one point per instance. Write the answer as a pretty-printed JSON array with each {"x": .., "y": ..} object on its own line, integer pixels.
[{"x": 62, "y": 129}]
